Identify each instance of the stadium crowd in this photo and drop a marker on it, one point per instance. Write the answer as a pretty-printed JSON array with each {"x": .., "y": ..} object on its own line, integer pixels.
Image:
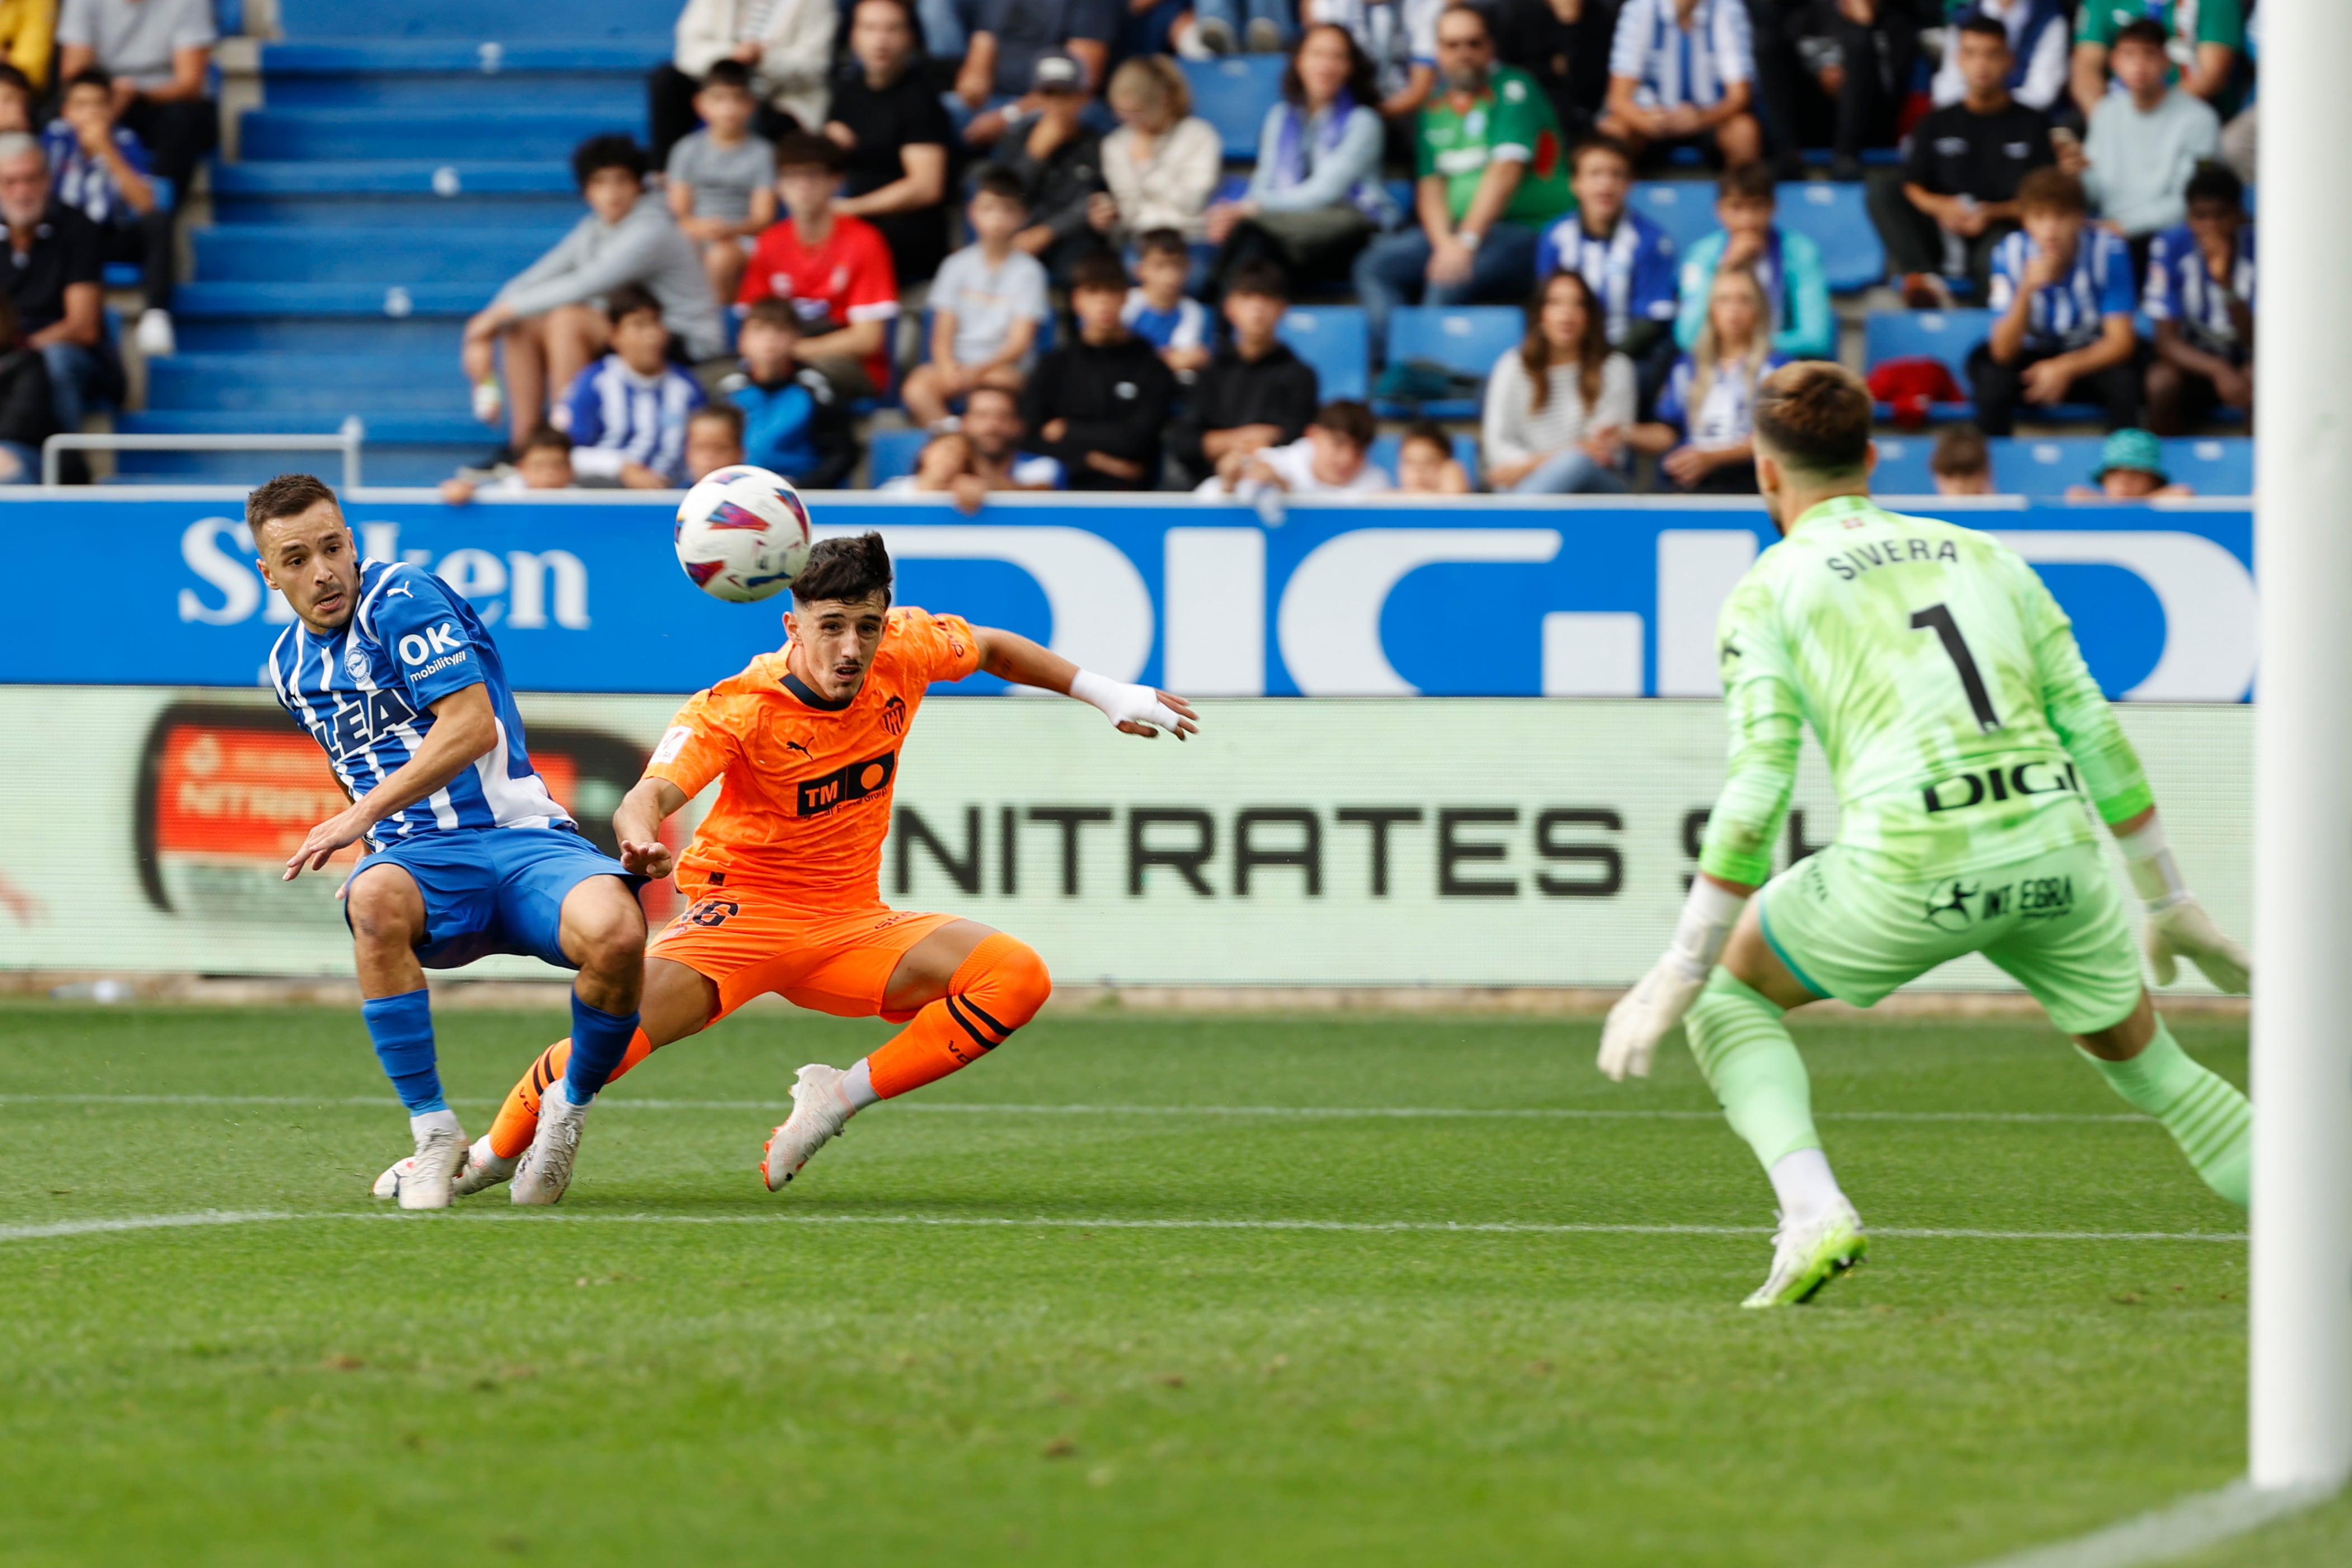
[{"x": 850, "y": 212}]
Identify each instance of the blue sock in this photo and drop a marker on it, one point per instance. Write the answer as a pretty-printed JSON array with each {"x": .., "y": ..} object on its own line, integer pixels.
[
  {"x": 599, "y": 1040},
  {"x": 402, "y": 1028}
]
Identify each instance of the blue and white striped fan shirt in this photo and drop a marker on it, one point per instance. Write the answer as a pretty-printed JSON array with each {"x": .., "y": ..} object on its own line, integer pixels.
[
  {"x": 1678, "y": 66},
  {"x": 2068, "y": 314},
  {"x": 616, "y": 417},
  {"x": 2180, "y": 289}
]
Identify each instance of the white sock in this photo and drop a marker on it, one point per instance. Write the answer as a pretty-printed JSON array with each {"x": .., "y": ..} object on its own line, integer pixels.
[
  {"x": 434, "y": 1122},
  {"x": 858, "y": 1086},
  {"x": 1805, "y": 1186},
  {"x": 562, "y": 1088},
  {"x": 482, "y": 1154}
]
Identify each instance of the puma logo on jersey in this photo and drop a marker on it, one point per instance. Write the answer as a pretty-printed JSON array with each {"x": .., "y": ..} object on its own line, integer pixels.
[{"x": 1859, "y": 558}]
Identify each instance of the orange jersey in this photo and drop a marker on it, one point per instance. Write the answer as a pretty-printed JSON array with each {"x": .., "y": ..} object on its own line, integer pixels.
[{"x": 804, "y": 798}]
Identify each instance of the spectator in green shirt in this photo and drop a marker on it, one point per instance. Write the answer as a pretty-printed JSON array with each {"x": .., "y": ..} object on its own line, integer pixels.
[
  {"x": 1491, "y": 177},
  {"x": 2208, "y": 38}
]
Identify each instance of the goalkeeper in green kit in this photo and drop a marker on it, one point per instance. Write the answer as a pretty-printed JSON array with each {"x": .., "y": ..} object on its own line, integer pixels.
[{"x": 1966, "y": 739}]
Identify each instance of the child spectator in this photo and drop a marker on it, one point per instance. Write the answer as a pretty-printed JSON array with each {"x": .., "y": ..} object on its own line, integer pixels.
[
  {"x": 795, "y": 424},
  {"x": 714, "y": 440},
  {"x": 1681, "y": 71},
  {"x": 1099, "y": 404},
  {"x": 1557, "y": 404},
  {"x": 2063, "y": 299},
  {"x": 99, "y": 170},
  {"x": 986, "y": 305},
  {"x": 787, "y": 46},
  {"x": 543, "y": 461},
  {"x": 1426, "y": 465},
  {"x": 1162, "y": 162},
  {"x": 15, "y": 98},
  {"x": 544, "y": 323},
  {"x": 835, "y": 269},
  {"x": 1961, "y": 464},
  {"x": 887, "y": 118},
  {"x": 1159, "y": 311},
  {"x": 2131, "y": 468},
  {"x": 991, "y": 458},
  {"x": 1333, "y": 458},
  {"x": 626, "y": 412},
  {"x": 1787, "y": 264},
  {"x": 721, "y": 178},
  {"x": 1627, "y": 259},
  {"x": 1058, "y": 159},
  {"x": 1255, "y": 392},
  {"x": 2145, "y": 141},
  {"x": 28, "y": 417},
  {"x": 1707, "y": 414},
  {"x": 2200, "y": 295},
  {"x": 1400, "y": 38}
]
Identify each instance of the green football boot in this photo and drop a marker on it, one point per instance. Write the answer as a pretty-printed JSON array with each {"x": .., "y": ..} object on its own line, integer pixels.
[{"x": 1807, "y": 1256}]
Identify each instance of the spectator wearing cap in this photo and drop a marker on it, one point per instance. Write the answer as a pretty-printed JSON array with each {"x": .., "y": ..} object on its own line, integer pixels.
[
  {"x": 1000, "y": 62},
  {"x": 1961, "y": 463},
  {"x": 100, "y": 170},
  {"x": 1681, "y": 72},
  {"x": 786, "y": 45},
  {"x": 2063, "y": 299},
  {"x": 2211, "y": 35},
  {"x": 2131, "y": 468},
  {"x": 2200, "y": 295},
  {"x": 835, "y": 269},
  {"x": 895, "y": 137},
  {"x": 158, "y": 55},
  {"x": 2144, "y": 142},
  {"x": 55, "y": 277},
  {"x": 1058, "y": 157},
  {"x": 2039, "y": 66},
  {"x": 544, "y": 324}
]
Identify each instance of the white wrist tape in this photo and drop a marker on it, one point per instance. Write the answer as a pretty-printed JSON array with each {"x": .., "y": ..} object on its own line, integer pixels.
[
  {"x": 1100, "y": 690},
  {"x": 2155, "y": 875},
  {"x": 1709, "y": 915}
]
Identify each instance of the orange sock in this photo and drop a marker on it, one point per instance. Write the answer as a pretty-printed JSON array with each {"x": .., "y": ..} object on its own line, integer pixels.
[
  {"x": 517, "y": 1119},
  {"x": 996, "y": 990}
]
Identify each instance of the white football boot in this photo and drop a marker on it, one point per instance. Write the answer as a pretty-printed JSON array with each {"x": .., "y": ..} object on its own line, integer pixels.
[
  {"x": 424, "y": 1179},
  {"x": 820, "y": 1110},
  {"x": 1807, "y": 1255},
  {"x": 545, "y": 1171},
  {"x": 480, "y": 1170}
]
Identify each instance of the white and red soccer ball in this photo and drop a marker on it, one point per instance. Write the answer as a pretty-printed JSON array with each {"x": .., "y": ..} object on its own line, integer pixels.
[{"x": 742, "y": 533}]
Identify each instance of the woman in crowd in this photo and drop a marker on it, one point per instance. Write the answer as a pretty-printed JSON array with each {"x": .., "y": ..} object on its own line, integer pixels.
[
  {"x": 1162, "y": 162},
  {"x": 897, "y": 134},
  {"x": 1315, "y": 198},
  {"x": 1707, "y": 412},
  {"x": 1557, "y": 404}
]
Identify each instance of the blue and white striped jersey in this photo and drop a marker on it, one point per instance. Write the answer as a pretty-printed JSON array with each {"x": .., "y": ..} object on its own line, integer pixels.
[
  {"x": 366, "y": 695},
  {"x": 1674, "y": 67},
  {"x": 1632, "y": 272},
  {"x": 2068, "y": 314},
  {"x": 2180, "y": 289},
  {"x": 615, "y": 416}
]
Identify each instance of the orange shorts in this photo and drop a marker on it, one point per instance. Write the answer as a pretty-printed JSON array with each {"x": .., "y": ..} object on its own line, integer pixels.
[{"x": 749, "y": 941}]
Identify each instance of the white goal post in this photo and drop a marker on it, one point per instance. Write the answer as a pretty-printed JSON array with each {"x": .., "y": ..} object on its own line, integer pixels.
[{"x": 2301, "y": 1355}]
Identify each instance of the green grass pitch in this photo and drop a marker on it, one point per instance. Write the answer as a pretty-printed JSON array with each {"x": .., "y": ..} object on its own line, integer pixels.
[{"x": 1132, "y": 1368}]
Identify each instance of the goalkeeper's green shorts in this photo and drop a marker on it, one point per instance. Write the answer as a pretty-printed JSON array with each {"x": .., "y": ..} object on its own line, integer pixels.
[{"x": 2054, "y": 922}]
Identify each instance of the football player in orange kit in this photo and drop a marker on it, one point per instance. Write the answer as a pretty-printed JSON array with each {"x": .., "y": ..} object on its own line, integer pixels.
[{"x": 783, "y": 876}]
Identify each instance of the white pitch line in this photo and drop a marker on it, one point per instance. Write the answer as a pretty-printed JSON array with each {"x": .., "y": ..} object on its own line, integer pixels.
[
  {"x": 2169, "y": 1533},
  {"x": 142, "y": 1222},
  {"x": 1302, "y": 1113}
]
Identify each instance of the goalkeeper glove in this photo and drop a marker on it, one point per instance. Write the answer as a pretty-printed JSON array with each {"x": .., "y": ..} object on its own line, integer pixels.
[
  {"x": 2178, "y": 925},
  {"x": 1643, "y": 1014}
]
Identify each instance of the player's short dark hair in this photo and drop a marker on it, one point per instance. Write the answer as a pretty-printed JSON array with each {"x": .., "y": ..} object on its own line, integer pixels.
[
  {"x": 997, "y": 180},
  {"x": 1592, "y": 144},
  {"x": 97, "y": 76},
  {"x": 2052, "y": 190},
  {"x": 1982, "y": 26},
  {"x": 2141, "y": 30},
  {"x": 775, "y": 311},
  {"x": 729, "y": 73},
  {"x": 2216, "y": 182},
  {"x": 543, "y": 438},
  {"x": 804, "y": 150},
  {"x": 1748, "y": 181},
  {"x": 1960, "y": 453},
  {"x": 1815, "y": 416},
  {"x": 627, "y": 300},
  {"x": 727, "y": 413},
  {"x": 849, "y": 567},
  {"x": 1262, "y": 279},
  {"x": 288, "y": 495},
  {"x": 1098, "y": 270},
  {"x": 1347, "y": 417},
  {"x": 1427, "y": 430},
  {"x": 611, "y": 150}
]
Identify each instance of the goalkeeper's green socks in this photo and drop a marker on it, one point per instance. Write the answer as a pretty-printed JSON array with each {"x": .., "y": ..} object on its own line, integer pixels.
[
  {"x": 2204, "y": 1112},
  {"x": 1752, "y": 1065}
]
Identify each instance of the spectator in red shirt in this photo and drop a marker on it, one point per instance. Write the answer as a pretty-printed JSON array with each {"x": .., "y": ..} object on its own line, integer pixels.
[{"x": 835, "y": 269}]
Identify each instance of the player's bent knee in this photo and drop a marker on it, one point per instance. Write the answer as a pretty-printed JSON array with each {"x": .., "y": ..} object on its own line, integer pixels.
[
  {"x": 384, "y": 907},
  {"x": 1014, "y": 980}
]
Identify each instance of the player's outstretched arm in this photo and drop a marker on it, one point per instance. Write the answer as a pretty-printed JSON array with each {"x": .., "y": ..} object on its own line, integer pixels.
[
  {"x": 2177, "y": 926},
  {"x": 637, "y": 825},
  {"x": 464, "y": 731},
  {"x": 1135, "y": 709}
]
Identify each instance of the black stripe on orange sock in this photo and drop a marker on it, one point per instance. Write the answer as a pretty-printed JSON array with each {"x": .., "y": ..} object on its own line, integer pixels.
[{"x": 984, "y": 1041}]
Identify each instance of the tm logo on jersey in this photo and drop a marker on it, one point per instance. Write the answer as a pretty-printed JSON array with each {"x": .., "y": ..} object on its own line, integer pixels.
[{"x": 855, "y": 782}]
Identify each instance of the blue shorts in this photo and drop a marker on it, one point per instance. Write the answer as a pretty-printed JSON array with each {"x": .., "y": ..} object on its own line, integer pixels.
[{"x": 495, "y": 890}]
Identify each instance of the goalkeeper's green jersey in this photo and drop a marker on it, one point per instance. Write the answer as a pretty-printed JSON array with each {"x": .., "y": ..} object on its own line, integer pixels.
[{"x": 1944, "y": 684}]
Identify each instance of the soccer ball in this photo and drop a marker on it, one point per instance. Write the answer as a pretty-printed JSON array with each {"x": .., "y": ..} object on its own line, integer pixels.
[{"x": 742, "y": 533}]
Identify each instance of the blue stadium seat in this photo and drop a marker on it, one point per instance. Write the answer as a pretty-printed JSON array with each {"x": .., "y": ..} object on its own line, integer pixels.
[
  {"x": 2214, "y": 465},
  {"x": 2044, "y": 465},
  {"x": 412, "y": 253},
  {"x": 385, "y": 192},
  {"x": 469, "y": 19},
  {"x": 1833, "y": 214},
  {"x": 1684, "y": 208},
  {"x": 1335, "y": 339},
  {"x": 1946, "y": 335},
  {"x": 1902, "y": 466},
  {"x": 892, "y": 452},
  {"x": 506, "y": 128},
  {"x": 1234, "y": 94},
  {"x": 1385, "y": 449},
  {"x": 1464, "y": 338}
]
